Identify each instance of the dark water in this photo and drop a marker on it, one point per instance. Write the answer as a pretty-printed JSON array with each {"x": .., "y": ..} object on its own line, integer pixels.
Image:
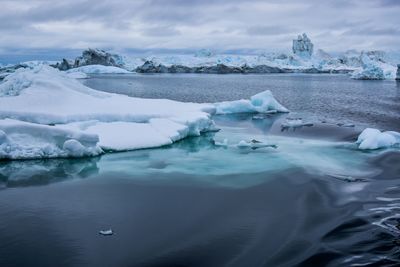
[
  {"x": 321, "y": 97},
  {"x": 195, "y": 204}
]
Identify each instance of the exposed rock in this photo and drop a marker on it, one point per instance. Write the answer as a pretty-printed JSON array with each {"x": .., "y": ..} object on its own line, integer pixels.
[
  {"x": 179, "y": 69},
  {"x": 398, "y": 72},
  {"x": 97, "y": 57},
  {"x": 150, "y": 67},
  {"x": 218, "y": 69},
  {"x": 261, "y": 69},
  {"x": 302, "y": 46},
  {"x": 91, "y": 57}
]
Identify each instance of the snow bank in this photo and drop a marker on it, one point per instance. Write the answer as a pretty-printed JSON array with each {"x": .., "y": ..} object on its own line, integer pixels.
[
  {"x": 23, "y": 140},
  {"x": 263, "y": 102},
  {"x": 98, "y": 69},
  {"x": 84, "y": 120},
  {"x": 374, "y": 139}
]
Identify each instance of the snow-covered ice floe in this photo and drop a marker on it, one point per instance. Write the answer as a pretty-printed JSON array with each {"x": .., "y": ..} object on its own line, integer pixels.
[
  {"x": 375, "y": 139},
  {"x": 263, "y": 102},
  {"x": 45, "y": 113},
  {"x": 99, "y": 69}
]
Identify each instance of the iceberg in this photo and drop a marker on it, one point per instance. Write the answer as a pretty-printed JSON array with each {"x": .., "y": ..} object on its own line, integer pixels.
[
  {"x": 374, "y": 139},
  {"x": 46, "y": 113},
  {"x": 302, "y": 46},
  {"x": 374, "y": 67}
]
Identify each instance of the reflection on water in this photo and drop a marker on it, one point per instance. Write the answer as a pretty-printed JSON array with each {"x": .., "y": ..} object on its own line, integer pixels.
[{"x": 42, "y": 172}]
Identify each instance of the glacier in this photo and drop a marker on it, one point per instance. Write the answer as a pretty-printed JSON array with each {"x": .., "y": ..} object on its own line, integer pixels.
[{"x": 46, "y": 113}]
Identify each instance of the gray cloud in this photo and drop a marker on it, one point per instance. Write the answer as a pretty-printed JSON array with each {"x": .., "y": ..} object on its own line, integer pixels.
[
  {"x": 333, "y": 25},
  {"x": 270, "y": 30}
]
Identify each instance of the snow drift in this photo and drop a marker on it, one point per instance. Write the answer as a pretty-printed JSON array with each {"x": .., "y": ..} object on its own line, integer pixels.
[{"x": 46, "y": 113}]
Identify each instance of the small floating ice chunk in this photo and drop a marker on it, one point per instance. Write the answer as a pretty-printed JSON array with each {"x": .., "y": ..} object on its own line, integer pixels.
[
  {"x": 374, "y": 139},
  {"x": 263, "y": 102},
  {"x": 295, "y": 123},
  {"x": 106, "y": 232},
  {"x": 254, "y": 144}
]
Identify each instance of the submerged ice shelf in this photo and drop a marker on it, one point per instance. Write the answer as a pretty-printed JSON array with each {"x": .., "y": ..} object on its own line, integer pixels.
[{"x": 214, "y": 159}]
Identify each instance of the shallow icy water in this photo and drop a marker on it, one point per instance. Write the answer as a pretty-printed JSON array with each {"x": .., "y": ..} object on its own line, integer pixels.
[{"x": 314, "y": 200}]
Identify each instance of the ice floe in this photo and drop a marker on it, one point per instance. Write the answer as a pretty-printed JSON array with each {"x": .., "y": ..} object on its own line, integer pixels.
[
  {"x": 46, "y": 113},
  {"x": 375, "y": 139},
  {"x": 263, "y": 102}
]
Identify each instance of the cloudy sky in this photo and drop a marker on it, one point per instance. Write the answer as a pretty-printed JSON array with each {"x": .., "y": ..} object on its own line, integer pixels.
[{"x": 49, "y": 26}]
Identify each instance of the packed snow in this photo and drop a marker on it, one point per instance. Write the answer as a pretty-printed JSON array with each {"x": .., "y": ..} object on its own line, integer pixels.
[
  {"x": 46, "y": 113},
  {"x": 98, "y": 69},
  {"x": 24, "y": 140},
  {"x": 375, "y": 139}
]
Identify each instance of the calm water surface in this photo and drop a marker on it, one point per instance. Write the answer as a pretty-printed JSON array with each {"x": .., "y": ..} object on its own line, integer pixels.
[{"x": 315, "y": 200}]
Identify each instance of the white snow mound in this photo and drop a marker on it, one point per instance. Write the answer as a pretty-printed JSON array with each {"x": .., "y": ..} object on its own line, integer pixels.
[{"x": 374, "y": 139}]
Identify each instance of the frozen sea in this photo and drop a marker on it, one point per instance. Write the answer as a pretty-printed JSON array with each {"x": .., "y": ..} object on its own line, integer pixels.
[{"x": 313, "y": 200}]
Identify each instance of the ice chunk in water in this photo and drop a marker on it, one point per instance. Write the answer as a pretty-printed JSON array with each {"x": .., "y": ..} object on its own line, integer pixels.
[{"x": 374, "y": 139}]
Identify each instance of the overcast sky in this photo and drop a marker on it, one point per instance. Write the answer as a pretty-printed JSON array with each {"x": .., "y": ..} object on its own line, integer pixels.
[{"x": 334, "y": 25}]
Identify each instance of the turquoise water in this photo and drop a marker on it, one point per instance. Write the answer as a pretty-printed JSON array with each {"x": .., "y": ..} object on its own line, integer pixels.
[{"x": 312, "y": 199}]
